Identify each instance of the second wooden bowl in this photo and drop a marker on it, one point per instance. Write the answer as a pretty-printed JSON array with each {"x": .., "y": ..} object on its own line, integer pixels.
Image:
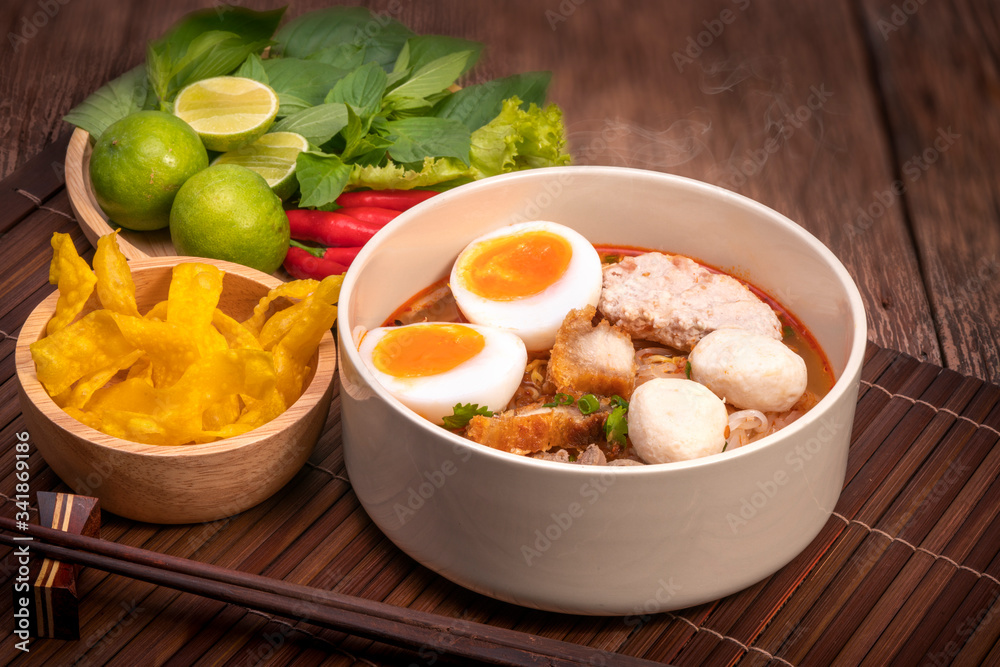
[{"x": 185, "y": 483}]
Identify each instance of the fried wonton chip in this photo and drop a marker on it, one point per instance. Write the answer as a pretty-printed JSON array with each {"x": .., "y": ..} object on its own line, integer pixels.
[
  {"x": 75, "y": 280},
  {"x": 84, "y": 347},
  {"x": 115, "y": 288},
  {"x": 137, "y": 411},
  {"x": 237, "y": 336},
  {"x": 170, "y": 347},
  {"x": 186, "y": 371},
  {"x": 297, "y": 289},
  {"x": 195, "y": 289},
  {"x": 87, "y": 385}
]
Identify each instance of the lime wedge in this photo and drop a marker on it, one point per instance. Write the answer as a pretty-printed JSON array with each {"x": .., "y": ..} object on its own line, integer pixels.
[
  {"x": 273, "y": 157},
  {"x": 227, "y": 112}
]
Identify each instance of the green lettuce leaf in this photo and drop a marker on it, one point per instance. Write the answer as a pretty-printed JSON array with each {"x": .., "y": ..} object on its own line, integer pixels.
[
  {"x": 520, "y": 139},
  {"x": 397, "y": 177}
]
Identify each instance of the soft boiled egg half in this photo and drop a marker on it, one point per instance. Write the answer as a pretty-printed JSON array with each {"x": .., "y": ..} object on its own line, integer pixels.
[
  {"x": 431, "y": 366},
  {"x": 525, "y": 277}
]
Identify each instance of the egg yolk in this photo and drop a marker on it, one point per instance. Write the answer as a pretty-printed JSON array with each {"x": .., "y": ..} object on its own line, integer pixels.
[
  {"x": 410, "y": 352},
  {"x": 515, "y": 266}
]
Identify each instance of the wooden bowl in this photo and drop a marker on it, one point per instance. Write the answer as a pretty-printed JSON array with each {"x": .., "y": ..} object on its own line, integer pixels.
[
  {"x": 93, "y": 222},
  {"x": 185, "y": 483}
]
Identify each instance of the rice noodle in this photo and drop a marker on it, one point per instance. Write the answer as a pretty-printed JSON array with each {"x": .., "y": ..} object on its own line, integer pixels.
[
  {"x": 745, "y": 426},
  {"x": 658, "y": 362}
]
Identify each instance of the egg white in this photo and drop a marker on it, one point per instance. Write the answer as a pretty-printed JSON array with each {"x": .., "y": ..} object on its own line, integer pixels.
[
  {"x": 490, "y": 378},
  {"x": 536, "y": 318}
]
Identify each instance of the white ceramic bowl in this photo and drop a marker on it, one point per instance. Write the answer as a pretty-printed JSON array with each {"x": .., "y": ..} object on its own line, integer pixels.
[{"x": 621, "y": 540}]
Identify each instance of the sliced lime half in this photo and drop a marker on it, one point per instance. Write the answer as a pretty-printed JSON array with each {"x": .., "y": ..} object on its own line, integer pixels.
[{"x": 273, "y": 157}]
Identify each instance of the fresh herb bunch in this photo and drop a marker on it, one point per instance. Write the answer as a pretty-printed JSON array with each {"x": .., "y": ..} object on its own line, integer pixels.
[{"x": 378, "y": 104}]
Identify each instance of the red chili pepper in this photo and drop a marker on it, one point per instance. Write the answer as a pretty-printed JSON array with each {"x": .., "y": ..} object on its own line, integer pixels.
[
  {"x": 330, "y": 228},
  {"x": 342, "y": 255},
  {"x": 397, "y": 200},
  {"x": 302, "y": 265},
  {"x": 372, "y": 214}
]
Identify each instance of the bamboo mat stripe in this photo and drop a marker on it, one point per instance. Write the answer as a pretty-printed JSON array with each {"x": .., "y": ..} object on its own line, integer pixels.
[{"x": 906, "y": 570}]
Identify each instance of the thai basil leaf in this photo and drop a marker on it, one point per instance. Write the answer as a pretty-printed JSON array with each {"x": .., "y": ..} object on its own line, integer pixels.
[
  {"x": 317, "y": 124},
  {"x": 306, "y": 80},
  {"x": 434, "y": 77},
  {"x": 420, "y": 137},
  {"x": 321, "y": 177},
  {"x": 377, "y": 37},
  {"x": 250, "y": 25},
  {"x": 479, "y": 104},
  {"x": 253, "y": 68},
  {"x": 111, "y": 102},
  {"x": 425, "y": 49},
  {"x": 363, "y": 89}
]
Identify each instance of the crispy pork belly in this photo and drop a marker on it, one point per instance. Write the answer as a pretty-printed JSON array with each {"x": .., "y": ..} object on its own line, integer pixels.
[
  {"x": 534, "y": 428},
  {"x": 591, "y": 359},
  {"x": 676, "y": 301}
]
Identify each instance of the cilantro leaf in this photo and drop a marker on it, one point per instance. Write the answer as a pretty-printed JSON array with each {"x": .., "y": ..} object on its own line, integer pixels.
[
  {"x": 463, "y": 414},
  {"x": 687, "y": 369}
]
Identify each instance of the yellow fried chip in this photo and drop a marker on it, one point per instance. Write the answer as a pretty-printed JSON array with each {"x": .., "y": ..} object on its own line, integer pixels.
[
  {"x": 170, "y": 347},
  {"x": 88, "y": 345},
  {"x": 195, "y": 289},
  {"x": 84, "y": 417},
  {"x": 281, "y": 323},
  {"x": 115, "y": 288},
  {"x": 297, "y": 289},
  {"x": 221, "y": 414},
  {"x": 158, "y": 312},
  {"x": 87, "y": 385},
  {"x": 258, "y": 412},
  {"x": 75, "y": 280},
  {"x": 295, "y": 349},
  {"x": 175, "y": 415},
  {"x": 141, "y": 369},
  {"x": 237, "y": 336},
  {"x": 192, "y": 372}
]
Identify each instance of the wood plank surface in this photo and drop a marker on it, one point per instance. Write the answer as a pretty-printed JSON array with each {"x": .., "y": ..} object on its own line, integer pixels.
[
  {"x": 805, "y": 107},
  {"x": 814, "y": 109}
]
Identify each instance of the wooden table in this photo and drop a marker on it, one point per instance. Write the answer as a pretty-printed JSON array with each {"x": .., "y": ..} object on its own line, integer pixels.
[{"x": 873, "y": 124}]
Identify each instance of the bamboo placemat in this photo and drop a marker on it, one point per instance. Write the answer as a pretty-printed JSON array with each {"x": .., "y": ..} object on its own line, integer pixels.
[{"x": 906, "y": 571}]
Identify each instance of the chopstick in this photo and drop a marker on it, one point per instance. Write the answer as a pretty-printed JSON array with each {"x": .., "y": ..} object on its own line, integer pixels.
[{"x": 407, "y": 628}]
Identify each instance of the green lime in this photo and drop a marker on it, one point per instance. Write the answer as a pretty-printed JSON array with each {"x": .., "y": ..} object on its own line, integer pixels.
[
  {"x": 273, "y": 157},
  {"x": 138, "y": 165},
  {"x": 229, "y": 212},
  {"x": 227, "y": 112}
]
